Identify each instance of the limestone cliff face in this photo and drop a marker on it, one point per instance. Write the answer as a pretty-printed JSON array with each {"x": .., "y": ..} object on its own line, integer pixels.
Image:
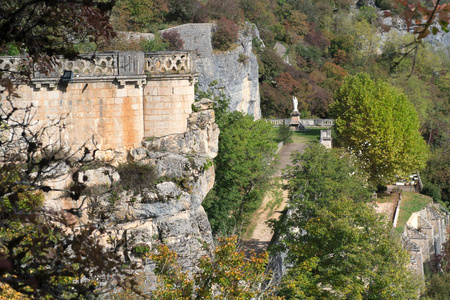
[
  {"x": 397, "y": 24},
  {"x": 169, "y": 211},
  {"x": 235, "y": 71}
]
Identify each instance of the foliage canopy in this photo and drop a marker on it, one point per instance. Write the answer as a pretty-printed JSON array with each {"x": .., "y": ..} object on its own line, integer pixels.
[
  {"x": 246, "y": 150},
  {"x": 336, "y": 243},
  {"x": 379, "y": 126}
]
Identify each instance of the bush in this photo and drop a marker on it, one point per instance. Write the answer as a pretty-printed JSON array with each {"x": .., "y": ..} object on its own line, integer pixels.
[
  {"x": 173, "y": 39},
  {"x": 154, "y": 45},
  {"x": 284, "y": 134},
  {"x": 226, "y": 34},
  {"x": 432, "y": 190},
  {"x": 136, "y": 176}
]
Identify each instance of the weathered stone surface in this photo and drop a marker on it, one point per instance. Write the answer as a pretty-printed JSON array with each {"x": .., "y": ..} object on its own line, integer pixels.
[
  {"x": 201, "y": 137},
  {"x": 425, "y": 235},
  {"x": 235, "y": 71},
  {"x": 204, "y": 104},
  {"x": 100, "y": 176},
  {"x": 168, "y": 211}
]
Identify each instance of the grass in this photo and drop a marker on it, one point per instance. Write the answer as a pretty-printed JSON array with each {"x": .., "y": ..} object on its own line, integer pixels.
[
  {"x": 384, "y": 198},
  {"x": 312, "y": 135},
  {"x": 411, "y": 202}
]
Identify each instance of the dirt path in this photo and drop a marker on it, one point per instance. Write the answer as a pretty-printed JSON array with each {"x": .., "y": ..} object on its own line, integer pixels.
[{"x": 273, "y": 204}]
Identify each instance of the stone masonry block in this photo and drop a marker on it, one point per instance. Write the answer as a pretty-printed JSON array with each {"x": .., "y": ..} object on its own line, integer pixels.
[
  {"x": 121, "y": 92},
  {"x": 133, "y": 92}
]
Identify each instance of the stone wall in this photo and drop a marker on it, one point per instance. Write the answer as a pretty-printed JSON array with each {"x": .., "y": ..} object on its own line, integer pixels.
[
  {"x": 425, "y": 235},
  {"x": 235, "y": 71},
  {"x": 93, "y": 112},
  {"x": 114, "y": 100},
  {"x": 196, "y": 37},
  {"x": 167, "y": 105},
  {"x": 166, "y": 211}
]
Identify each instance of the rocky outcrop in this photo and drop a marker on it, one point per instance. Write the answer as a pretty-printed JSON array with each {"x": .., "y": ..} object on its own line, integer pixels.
[
  {"x": 131, "y": 215},
  {"x": 439, "y": 40},
  {"x": 235, "y": 71}
]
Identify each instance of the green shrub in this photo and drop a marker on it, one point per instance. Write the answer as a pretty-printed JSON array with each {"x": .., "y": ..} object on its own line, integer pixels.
[
  {"x": 154, "y": 45},
  {"x": 284, "y": 134},
  {"x": 140, "y": 250},
  {"x": 243, "y": 58}
]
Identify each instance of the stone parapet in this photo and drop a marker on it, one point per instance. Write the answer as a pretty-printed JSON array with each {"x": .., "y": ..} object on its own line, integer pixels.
[{"x": 111, "y": 63}]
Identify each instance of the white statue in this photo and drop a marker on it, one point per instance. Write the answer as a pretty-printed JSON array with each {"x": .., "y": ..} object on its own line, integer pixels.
[{"x": 294, "y": 99}]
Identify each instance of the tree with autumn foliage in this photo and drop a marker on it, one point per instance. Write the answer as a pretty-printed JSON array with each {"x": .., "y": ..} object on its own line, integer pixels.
[
  {"x": 44, "y": 28},
  {"x": 226, "y": 274},
  {"x": 46, "y": 253},
  {"x": 138, "y": 15}
]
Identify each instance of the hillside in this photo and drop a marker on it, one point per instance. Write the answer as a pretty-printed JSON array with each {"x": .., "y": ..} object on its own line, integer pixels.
[{"x": 113, "y": 174}]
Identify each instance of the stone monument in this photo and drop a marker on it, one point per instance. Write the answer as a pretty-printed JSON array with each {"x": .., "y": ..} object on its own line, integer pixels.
[
  {"x": 295, "y": 116},
  {"x": 325, "y": 138}
]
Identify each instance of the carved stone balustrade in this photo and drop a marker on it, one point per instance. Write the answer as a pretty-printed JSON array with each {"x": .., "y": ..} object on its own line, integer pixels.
[
  {"x": 107, "y": 64},
  {"x": 11, "y": 63},
  {"x": 159, "y": 63},
  {"x": 102, "y": 64}
]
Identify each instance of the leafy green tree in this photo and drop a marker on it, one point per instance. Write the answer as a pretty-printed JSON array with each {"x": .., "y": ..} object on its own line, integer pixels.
[
  {"x": 379, "y": 126},
  {"x": 436, "y": 177},
  {"x": 338, "y": 247},
  {"x": 438, "y": 284},
  {"x": 246, "y": 151}
]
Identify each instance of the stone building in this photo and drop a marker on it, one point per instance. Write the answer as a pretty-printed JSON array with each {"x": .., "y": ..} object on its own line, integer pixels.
[{"x": 425, "y": 234}]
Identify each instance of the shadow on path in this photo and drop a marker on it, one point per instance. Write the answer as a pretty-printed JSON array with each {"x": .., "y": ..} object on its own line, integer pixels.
[{"x": 262, "y": 234}]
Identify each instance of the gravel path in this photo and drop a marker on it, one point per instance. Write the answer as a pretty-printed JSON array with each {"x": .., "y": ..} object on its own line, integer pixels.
[{"x": 261, "y": 236}]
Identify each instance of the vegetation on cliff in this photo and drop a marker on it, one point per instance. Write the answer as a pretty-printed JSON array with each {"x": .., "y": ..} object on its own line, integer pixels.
[
  {"x": 45, "y": 253},
  {"x": 247, "y": 149},
  {"x": 346, "y": 251},
  {"x": 318, "y": 43}
]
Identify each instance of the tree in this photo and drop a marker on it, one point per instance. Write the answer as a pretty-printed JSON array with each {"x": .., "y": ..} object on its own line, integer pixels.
[
  {"x": 246, "y": 150},
  {"x": 422, "y": 19},
  {"x": 337, "y": 246},
  {"x": 186, "y": 11},
  {"x": 379, "y": 126},
  {"x": 139, "y": 14},
  {"x": 46, "y": 253},
  {"x": 438, "y": 284},
  {"x": 44, "y": 28},
  {"x": 225, "y": 35},
  {"x": 227, "y": 274}
]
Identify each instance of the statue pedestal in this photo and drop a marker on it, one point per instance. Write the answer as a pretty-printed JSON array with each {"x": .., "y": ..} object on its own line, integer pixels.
[{"x": 295, "y": 121}]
